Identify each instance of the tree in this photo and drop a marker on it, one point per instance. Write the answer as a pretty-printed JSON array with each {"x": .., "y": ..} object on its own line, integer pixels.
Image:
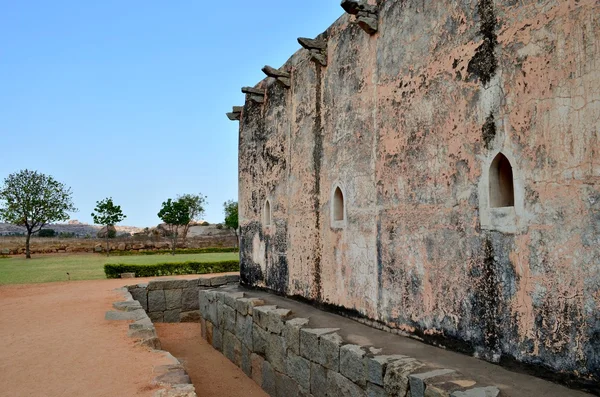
[
  {"x": 175, "y": 214},
  {"x": 32, "y": 199},
  {"x": 107, "y": 214},
  {"x": 195, "y": 204},
  {"x": 230, "y": 208}
]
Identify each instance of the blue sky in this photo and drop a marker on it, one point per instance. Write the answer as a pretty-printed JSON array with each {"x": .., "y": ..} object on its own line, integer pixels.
[{"x": 128, "y": 98}]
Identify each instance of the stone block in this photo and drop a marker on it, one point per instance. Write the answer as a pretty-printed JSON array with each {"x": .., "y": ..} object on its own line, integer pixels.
[
  {"x": 209, "y": 333},
  {"x": 142, "y": 333},
  {"x": 172, "y": 316},
  {"x": 121, "y": 316},
  {"x": 217, "y": 338},
  {"x": 243, "y": 329},
  {"x": 220, "y": 315},
  {"x": 490, "y": 391},
  {"x": 246, "y": 362},
  {"x": 417, "y": 380},
  {"x": 268, "y": 379},
  {"x": 245, "y": 305},
  {"x": 275, "y": 353},
  {"x": 340, "y": 386},
  {"x": 352, "y": 364},
  {"x": 127, "y": 306},
  {"x": 298, "y": 368},
  {"x": 230, "y": 299},
  {"x": 309, "y": 343},
  {"x": 276, "y": 320},
  {"x": 156, "y": 301},
  {"x": 259, "y": 339},
  {"x": 189, "y": 317},
  {"x": 286, "y": 386},
  {"x": 204, "y": 282},
  {"x": 232, "y": 348},
  {"x": 291, "y": 333},
  {"x": 140, "y": 295},
  {"x": 233, "y": 278},
  {"x": 175, "y": 376},
  {"x": 189, "y": 299},
  {"x": 142, "y": 323},
  {"x": 203, "y": 328},
  {"x": 218, "y": 281},
  {"x": 329, "y": 347},
  {"x": 376, "y": 366},
  {"x": 395, "y": 381},
  {"x": 173, "y": 298},
  {"x": 318, "y": 380},
  {"x": 156, "y": 317},
  {"x": 375, "y": 391},
  {"x": 260, "y": 315},
  {"x": 229, "y": 315},
  {"x": 256, "y": 361},
  {"x": 203, "y": 304},
  {"x": 166, "y": 284}
]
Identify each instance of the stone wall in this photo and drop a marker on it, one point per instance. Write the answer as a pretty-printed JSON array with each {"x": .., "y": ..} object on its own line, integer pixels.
[
  {"x": 174, "y": 301},
  {"x": 39, "y": 245},
  {"x": 287, "y": 358},
  {"x": 407, "y": 121}
]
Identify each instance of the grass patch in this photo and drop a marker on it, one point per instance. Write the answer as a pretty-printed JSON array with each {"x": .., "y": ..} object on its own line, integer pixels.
[{"x": 49, "y": 268}]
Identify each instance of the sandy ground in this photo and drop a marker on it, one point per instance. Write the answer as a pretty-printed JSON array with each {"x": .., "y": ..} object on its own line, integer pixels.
[
  {"x": 211, "y": 372},
  {"x": 54, "y": 341}
]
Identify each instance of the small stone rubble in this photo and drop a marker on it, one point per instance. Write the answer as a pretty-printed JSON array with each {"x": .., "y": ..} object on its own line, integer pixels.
[
  {"x": 172, "y": 378},
  {"x": 286, "y": 357}
]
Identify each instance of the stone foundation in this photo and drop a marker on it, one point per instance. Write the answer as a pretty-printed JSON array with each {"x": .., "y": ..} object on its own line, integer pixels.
[{"x": 286, "y": 357}]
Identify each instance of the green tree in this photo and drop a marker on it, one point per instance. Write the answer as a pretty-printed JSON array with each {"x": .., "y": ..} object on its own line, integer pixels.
[
  {"x": 195, "y": 204},
  {"x": 107, "y": 214},
  {"x": 230, "y": 208},
  {"x": 175, "y": 214},
  {"x": 32, "y": 199}
]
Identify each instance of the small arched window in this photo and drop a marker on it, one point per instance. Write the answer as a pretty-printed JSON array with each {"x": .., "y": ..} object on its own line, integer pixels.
[
  {"x": 502, "y": 191},
  {"x": 267, "y": 213},
  {"x": 338, "y": 205}
]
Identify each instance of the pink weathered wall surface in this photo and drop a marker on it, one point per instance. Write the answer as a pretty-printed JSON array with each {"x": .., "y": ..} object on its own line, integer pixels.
[{"x": 407, "y": 122}]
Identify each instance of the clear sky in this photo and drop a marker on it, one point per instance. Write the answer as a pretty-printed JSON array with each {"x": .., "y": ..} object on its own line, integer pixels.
[{"x": 128, "y": 98}]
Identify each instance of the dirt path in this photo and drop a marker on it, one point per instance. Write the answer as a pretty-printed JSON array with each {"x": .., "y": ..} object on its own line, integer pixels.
[
  {"x": 54, "y": 341},
  {"x": 211, "y": 372}
]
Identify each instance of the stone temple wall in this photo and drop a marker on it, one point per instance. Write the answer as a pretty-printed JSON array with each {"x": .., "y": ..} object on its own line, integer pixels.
[{"x": 411, "y": 113}]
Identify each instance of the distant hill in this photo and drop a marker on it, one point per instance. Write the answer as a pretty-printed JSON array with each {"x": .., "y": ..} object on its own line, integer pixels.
[{"x": 73, "y": 226}]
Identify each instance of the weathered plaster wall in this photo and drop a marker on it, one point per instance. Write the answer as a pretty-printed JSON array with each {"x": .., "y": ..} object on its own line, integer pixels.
[{"x": 407, "y": 122}]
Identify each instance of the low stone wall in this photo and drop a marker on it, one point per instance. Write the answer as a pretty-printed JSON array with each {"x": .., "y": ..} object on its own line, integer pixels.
[
  {"x": 288, "y": 358},
  {"x": 170, "y": 380},
  {"x": 174, "y": 301},
  {"x": 16, "y": 245}
]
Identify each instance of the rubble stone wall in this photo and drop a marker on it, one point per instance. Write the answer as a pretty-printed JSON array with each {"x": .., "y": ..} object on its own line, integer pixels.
[{"x": 407, "y": 122}]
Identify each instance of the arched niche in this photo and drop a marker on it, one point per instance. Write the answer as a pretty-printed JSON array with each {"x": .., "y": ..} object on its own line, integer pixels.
[{"x": 501, "y": 183}]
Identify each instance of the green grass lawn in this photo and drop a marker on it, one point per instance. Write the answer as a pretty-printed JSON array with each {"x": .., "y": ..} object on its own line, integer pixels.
[{"x": 48, "y": 268}]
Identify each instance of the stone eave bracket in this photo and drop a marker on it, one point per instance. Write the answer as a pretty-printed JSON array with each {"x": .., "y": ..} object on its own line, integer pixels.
[
  {"x": 367, "y": 16},
  {"x": 254, "y": 94},
  {"x": 317, "y": 48},
  {"x": 282, "y": 77},
  {"x": 236, "y": 114}
]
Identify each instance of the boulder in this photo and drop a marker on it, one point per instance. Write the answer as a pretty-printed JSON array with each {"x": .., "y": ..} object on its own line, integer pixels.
[{"x": 107, "y": 229}]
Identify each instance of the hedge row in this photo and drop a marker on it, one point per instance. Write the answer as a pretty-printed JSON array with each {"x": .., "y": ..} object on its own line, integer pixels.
[
  {"x": 211, "y": 250},
  {"x": 114, "y": 270}
]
